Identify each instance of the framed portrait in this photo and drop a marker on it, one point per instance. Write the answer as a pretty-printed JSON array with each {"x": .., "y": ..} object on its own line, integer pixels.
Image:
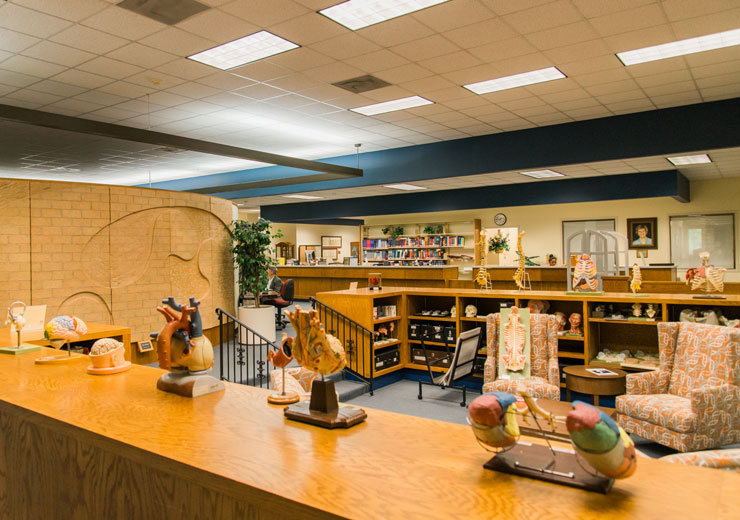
[
  {"x": 642, "y": 233},
  {"x": 331, "y": 242},
  {"x": 354, "y": 249}
]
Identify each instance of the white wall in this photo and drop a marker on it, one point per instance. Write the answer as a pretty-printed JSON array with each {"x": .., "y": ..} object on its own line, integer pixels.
[
  {"x": 543, "y": 223},
  {"x": 307, "y": 234}
]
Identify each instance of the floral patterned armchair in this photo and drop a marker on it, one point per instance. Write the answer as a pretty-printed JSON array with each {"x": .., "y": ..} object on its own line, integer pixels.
[
  {"x": 692, "y": 402},
  {"x": 545, "y": 375}
]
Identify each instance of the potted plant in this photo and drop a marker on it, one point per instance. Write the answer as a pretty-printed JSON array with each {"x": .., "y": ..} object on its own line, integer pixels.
[
  {"x": 251, "y": 245},
  {"x": 498, "y": 243}
]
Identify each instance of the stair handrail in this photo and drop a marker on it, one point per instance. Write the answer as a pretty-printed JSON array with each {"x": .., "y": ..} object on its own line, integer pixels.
[
  {"x": 220, "y": 311},
  {"x": 371, "y": 332}
]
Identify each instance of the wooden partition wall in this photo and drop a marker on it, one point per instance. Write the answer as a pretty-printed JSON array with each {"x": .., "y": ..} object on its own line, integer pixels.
[{"x": 109, "y": 254}]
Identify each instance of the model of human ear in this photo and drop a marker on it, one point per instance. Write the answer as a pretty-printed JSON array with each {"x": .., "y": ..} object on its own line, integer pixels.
[
  {"x": 181, "y": 344},
  {"x": 312, "y": 347},
  {"x": 493, "y": 419},
  {"x": 601, "y": 441}
]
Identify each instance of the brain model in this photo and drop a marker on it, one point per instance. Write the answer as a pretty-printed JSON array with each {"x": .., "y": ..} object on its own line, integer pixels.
[
  {"x": 104, "y": 345},
  {"x": 68, "y": 328}
]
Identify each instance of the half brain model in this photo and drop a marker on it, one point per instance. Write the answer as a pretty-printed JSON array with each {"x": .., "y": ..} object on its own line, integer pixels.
[
  {"x": 104, "y": 345},
  {"x": 68, "y": 328}
]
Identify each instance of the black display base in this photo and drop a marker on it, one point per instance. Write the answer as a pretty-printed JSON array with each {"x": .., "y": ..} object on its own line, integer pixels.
[
  {"x": 324, "y": 409},
  {"x": 709, "y": 297},
  {"x": 525, "y": 459}
]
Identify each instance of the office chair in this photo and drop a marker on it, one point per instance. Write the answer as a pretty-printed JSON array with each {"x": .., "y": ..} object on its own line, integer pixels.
[
  {"x": 284, "y": 300},
  {"x": 461, "y": 364}
]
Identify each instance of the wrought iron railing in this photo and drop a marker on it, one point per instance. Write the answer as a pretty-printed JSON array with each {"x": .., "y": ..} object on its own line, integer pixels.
[
  {"x": 242, "y": 353},
  {"x": 357, "y": 341}
]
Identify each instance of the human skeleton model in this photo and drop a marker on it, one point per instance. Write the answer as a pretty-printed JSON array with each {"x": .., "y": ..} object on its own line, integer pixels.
[
  {"x": 636, "y": 282},
  {"x": 706, "y": 276},
  {"x": 519, "y": 273},
  {"x": 515, "y": 337},
  {"x": 483, "y": 279},
  {"x": 585, "y": 273}
]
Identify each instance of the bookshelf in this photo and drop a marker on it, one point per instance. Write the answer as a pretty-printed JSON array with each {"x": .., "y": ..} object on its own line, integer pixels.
[{"x": 419, "y": 243}]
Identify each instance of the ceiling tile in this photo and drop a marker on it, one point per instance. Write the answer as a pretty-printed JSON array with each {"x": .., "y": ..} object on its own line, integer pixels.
[
  {"x": 111, "y": 68},
  {"x": 295, "y": 83},
  {"x": 123, "y": 88},
  {"x": 82, "y": 79},
  {"x": 168, "y": 99},
  {"x": 113, "y": 113},
  {"x": 590, "y": 112},
  {"x": 717, "y": 81},
  {"x": 84, "y": 38},
  {"x": 451, "y": 15},
  {"x": 217, "y": 26},
  {"x": 707, "y": 24},
  {"x": 141, "y": 55},
  {"x": 504, "y": 49},
  {"x": 597, "y": 8},
  {"x": 123, "y": 23},
  {"x": 450, "y": 95},
  {"x": 619, "y": 97},
  {"x": 27, "y": 21},
  {"x": 626, "y": 21},
  {"x": 640, "y": 38},
  {"x": 384, "y": 94},
  {"x": 612, "y": 87},
  {"x": 606, "y": 76},
  {"x": 32, "y": 96},
  {"x": 543, "y": 17},
  {"x": 6, "y": 89},
  {"x": 265, "y": 14},
  {"x": 177, "y": 41},
  {"x": 298, "y": 59},
  {"x": 673, "y": 100},
  {"x": 429, "y": 84},
  {"x": 345, "y": 46},
  {"x": 588, "y": 65},
  {"x": 193, "y": 90},
  {"x": 425, "y": 48},
  {"x": 185, "y": 69},
  {"x": 199, "y": 107},
  {"x": 665, "y": 78},
  {"x": 13, "y": 41},
  {"x": 403, "y": 73},
  {"x": 566, "y": 95},
  {"x": 450, "y": 62},
  {"x": 578, "y": 52},
  {"x": 307, "y": 29},
  {"x": 72, "y": 10},
  {"x": 671, "y": 88},
  {"x": 396, "y": 31},
  {"x": 481, "y": 33},
  {"x": 577, "y": 104},
  {"x": 333, "y": 72},
  {"x": 31, "y": 66},
  {"x": 260, "y": 91},
  {"x": 155, "y": 80},
  {"x": 57, "y": 88},
  {"x": 75, "y": 105},
  {"x": 21, "y": 104},
  {"x": 59, "y": 54},
  {"x": 262, "y": 71},
  {"x": 376, "y": 61},
  {"x": 562, "y": 36}
]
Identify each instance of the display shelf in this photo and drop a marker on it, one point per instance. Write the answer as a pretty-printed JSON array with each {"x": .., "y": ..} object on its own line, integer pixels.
[
  {"x": 432, "y": 318},
  {"x": 570, "y": 338},
  {"x": 571, "y": 355},
  {"x": 432, "y": 343},
  {"x": 377, "y": 346},
  {"x": 424, "y": 367},
  {"x": 477, "y": 320},
  {"x": 386, "y": 319},
  {"x": 630, "y": 322},
  {"x": 387, "y": 370}
]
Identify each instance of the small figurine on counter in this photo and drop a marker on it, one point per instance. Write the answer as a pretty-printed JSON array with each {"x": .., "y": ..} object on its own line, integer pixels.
[
  {"x": 651, "y": 312},
  {"x": 575, "y": 321},
  {"x": 636, "y": 310},
  {"x": 636, "y": 283},
  {"x": 561, "y": 321}
]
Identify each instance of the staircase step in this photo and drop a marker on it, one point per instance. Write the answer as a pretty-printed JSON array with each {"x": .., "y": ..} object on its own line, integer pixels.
[{"x": 350, "y": 389}]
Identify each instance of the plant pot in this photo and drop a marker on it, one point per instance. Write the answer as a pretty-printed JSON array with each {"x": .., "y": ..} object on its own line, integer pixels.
[{"x": 261, "y": 320}]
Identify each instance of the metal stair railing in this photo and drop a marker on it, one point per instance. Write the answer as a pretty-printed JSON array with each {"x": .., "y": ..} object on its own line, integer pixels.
[
  {"x": 357, "y": 341},
  {"x": 242, "y": 352}
]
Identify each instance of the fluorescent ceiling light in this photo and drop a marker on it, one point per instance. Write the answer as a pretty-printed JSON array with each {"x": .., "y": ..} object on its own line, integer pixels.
[
  {"x": 690, "y": 159},
  {"x": 405, "y": 187},
  {"x": 681, "y": 47},
  {"x": 517, "y": 80},
  {"x": 307, "y": 197},
  {"x": 244, "y": 50},
  {"x": 542, "y": 174},
  {"x": 392, "y": 106},
  {"x": 356, "y": 14}
]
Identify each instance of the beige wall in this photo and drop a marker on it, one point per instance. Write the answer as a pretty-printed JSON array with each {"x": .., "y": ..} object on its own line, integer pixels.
[
  {"x": 109, "y": 254},
  {"x": 543, "y": 223}
]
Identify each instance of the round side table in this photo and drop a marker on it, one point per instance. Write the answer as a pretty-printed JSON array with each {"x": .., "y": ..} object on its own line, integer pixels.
[{"x": 578, "y": 379}]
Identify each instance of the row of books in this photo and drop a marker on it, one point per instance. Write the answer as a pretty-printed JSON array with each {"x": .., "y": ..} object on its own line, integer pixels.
[
  {"x": 406, "y": 254},
  {"x": 427, "y": 241},
  {"x": 384, "y": 311}
]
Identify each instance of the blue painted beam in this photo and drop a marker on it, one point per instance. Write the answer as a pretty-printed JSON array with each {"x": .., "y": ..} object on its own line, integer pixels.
[
  {"x": 668, "y": 183},
  {"x": 659, "y": 132}
]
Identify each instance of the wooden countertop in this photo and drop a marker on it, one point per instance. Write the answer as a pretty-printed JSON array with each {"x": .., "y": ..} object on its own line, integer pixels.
[
  {"x": 683, "y": 299},
  {"x": 391, "y": 466}
]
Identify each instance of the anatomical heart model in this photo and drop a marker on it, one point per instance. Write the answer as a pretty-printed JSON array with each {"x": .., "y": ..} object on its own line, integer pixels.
[
  {"x": 184, "y": 351},
  {"x": 316, "y": 350}
]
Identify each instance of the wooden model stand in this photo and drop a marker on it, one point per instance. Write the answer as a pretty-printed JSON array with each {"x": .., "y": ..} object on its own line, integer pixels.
[
  {"x": 324, "y": 409},
  {"x": 188, "y": 385}
]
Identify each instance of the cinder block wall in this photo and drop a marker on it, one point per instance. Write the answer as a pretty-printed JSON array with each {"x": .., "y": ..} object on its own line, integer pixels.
[{"x": 109, "y": 254}]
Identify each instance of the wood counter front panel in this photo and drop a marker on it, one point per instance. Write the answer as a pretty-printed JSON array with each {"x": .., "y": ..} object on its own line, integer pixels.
[{"x": 81, "y": 446}]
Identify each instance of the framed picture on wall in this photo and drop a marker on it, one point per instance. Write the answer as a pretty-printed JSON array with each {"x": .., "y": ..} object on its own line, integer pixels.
[
  {"x": 642, "y": 233},
  {"x": 354, "y": 249},
  {"x": 331, "y": 242},
  {"x": 330, "y": 253}
]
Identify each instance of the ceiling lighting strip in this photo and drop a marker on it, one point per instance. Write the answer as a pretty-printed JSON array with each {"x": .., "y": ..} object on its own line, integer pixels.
[
  {"x": 86, "y": 126},
  {"x": 356, "y": 14},
  {"x": 517, "y": 80},
  {"x": 392, "y": 106},
  {"x": 245, "y": 50},
  {"x": 681, "y": 48}
]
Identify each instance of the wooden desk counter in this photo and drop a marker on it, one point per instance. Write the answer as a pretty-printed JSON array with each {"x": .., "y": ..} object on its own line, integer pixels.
[
  {"x": 82, "y": 446},
  {"x": 94, "y": 331}
]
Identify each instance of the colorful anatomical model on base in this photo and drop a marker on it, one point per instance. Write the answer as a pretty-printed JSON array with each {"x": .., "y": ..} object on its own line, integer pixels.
[
  {"x": 16, "y": 319},
  {"x": 59, "y": 331},
  {"x": 107, "y": 357},
  {"x": 706, "y": 276},
  {"x": 584, "y": 274},
  {"x": 185, "y": 351}
]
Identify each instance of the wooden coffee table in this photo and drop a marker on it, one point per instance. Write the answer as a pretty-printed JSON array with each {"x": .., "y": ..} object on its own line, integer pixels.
[
  {"x": 561, "y": 408},
  {"x": 578, "y": 379}
]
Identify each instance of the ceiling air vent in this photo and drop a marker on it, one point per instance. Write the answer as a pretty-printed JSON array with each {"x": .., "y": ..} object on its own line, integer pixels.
[
  {"x": 165, "y": 11},
  {"x": 361, "y": 84}
]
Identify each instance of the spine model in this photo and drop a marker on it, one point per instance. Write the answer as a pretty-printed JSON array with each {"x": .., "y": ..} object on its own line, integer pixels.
[{"x": 519, "y": 274}]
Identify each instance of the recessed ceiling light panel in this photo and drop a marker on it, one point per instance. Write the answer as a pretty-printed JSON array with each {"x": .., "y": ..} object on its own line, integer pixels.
[
  {"x": 542, "y": 174},
  {"x": 392, "y": 106},
  {"x": 356, "y": 14},
  {"x": 690, "y": 159},
  {"x": 245, "y": 50},
  {"x": 405, "y": 187},
  {"x": 517, "y": 80},
  {"x": 681, "y": 48},
  {"x": 306, "y": 197}
]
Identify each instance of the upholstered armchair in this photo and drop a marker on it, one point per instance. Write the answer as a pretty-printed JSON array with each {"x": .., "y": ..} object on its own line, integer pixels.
[
  {"x": 545, "y": 375},
  {"x": 692, "y": 402}
]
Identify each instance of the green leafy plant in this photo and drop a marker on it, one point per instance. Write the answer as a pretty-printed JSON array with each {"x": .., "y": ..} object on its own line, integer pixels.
[
  {"x": 528, "y": 260},
  {"x": 432, "y": 229},
  {"x": 393, "y": 231},
  {"x": 251, "y": 245},
  {"x": 498, "y": 243}
]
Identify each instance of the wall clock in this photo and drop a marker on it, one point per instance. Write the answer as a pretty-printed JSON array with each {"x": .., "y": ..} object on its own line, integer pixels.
[{"x": 499, "y": 219}]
